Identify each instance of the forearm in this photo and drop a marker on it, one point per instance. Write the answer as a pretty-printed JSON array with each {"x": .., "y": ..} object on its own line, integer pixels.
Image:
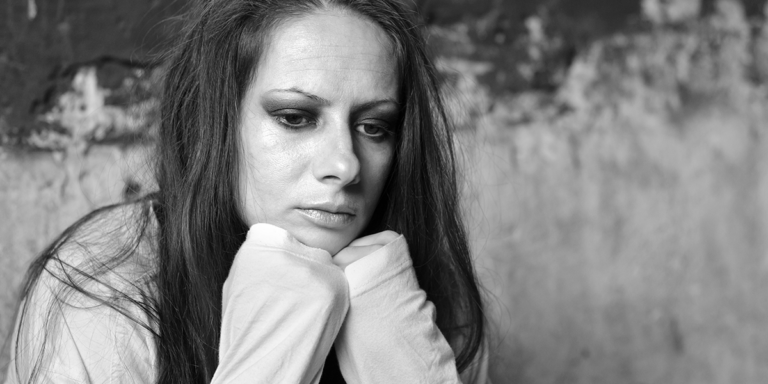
[
  {"x": 390, "y": 334},
  {"x": 283, "y": 307}
]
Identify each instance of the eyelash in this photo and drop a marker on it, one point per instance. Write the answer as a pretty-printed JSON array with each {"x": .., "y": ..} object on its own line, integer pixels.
[
  {"x": 384, "y": 132},
  {"x": 281, "y": 118}
]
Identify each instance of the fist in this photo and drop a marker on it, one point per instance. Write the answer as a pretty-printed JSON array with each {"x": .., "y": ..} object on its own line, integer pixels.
[{"x": 362, "y": 247}]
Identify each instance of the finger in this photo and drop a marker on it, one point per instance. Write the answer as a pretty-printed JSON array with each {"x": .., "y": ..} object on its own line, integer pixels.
[
  {"x": 353, "y": 253},
  {"x": 381, "y": 238}
]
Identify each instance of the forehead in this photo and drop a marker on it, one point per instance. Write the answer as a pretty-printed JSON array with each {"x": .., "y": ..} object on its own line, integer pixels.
[{"x": 330, "y": 52}]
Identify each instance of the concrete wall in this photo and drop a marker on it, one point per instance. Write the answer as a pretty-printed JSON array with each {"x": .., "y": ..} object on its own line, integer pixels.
[
  {"x": 620, "y": 222},
  {"x": 623, "y": 244}
]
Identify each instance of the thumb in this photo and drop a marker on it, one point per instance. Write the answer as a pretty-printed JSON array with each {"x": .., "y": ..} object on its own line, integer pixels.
[{"x": 381, "y": 238}]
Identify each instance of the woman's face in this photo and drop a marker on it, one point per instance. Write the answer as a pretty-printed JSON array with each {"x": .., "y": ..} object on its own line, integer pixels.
[{"x": 318, "y": 127}]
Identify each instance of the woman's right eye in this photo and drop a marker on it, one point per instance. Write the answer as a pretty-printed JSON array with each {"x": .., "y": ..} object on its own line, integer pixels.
[{"x": 293, "y": 119}]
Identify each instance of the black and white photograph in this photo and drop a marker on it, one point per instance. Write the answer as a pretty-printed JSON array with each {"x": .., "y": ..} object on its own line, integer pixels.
[{"x": 384, "y": 191}]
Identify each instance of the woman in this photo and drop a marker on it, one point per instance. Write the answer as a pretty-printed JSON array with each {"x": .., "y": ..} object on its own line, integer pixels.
[{"x": 306, "y": 221}]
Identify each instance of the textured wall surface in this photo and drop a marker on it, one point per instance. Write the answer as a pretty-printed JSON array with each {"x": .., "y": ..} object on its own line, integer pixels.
[
  {"x": 626, "y": 240},
  {"x": 615, "y": 161}
]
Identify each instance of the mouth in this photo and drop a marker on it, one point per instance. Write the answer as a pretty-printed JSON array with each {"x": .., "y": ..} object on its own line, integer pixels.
[{"x": 328, "y": 217}]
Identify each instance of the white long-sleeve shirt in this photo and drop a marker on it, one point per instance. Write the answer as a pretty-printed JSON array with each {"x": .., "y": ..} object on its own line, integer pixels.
[{"x": 284, "y": 306}]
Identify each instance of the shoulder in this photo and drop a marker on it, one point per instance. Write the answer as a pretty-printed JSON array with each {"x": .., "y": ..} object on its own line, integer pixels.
[
  {"x": 106, "y": 261},
  {"x": 106, "y": 230},
  {"x": 88, "y": 311},
  {"x": 110, "y": 250}
]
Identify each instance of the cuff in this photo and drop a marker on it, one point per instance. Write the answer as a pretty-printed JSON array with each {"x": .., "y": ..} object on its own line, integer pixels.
[{"x": 373, "y": 270}]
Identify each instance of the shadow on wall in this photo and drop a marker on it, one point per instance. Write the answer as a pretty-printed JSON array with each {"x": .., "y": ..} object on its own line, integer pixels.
[{"x": 616, "y": 172}]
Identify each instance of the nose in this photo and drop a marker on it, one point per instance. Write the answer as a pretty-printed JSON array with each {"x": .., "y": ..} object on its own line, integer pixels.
[{"x": 336, "y": 161}]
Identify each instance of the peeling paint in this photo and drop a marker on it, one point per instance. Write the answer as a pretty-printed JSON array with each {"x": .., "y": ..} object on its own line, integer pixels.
[{"x": 84, "y": 116}]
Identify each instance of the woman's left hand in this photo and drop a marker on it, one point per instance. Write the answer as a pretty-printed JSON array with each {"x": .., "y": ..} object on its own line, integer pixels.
[
  {"x": 389, "y": 334},
  {"x": 362, "y": 247}
]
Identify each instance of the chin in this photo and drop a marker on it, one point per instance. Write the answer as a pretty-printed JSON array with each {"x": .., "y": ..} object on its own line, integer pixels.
[{"x": 325, "y": 240}]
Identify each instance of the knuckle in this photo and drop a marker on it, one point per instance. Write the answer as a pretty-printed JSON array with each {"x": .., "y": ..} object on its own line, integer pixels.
[{"x": 390, "y": 235}]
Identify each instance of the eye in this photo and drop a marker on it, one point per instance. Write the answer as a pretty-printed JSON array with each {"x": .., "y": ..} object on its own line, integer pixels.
[
  {"x": 373, "y": 130},
  {"x": 293, "y": 119}
]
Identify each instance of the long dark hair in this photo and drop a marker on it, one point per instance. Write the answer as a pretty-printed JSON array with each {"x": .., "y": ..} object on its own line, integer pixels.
[{"x": 200, "y": 228}]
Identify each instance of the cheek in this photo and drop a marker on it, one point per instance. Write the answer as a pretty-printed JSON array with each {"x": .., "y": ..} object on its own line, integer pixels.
[
  {"x": 257, "y": 164},
  {"x": 271, "y": 166},
  {"x": 269, "y": 158},
  {"x": 248, "y": 187},
  {"x": 378, "y": 167}
]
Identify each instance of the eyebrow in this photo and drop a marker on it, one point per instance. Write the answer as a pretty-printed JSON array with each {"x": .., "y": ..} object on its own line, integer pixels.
[{"x": 322, "y": 101}]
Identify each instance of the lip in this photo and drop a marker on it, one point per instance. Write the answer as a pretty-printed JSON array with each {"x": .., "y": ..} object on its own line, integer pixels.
[
  {"x": 327, "y": 218},
  {"x": 330, "y": 208}
]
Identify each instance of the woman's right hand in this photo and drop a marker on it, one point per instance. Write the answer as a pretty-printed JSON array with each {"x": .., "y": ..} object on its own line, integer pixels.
[{"x": 283, "y": 304}]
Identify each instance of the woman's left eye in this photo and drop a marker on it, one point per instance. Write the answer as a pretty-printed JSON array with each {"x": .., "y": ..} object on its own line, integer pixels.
[{"x": 373, "y": 130}]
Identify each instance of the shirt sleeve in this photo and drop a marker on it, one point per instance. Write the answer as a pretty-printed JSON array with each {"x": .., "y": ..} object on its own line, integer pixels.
[
  {"x": 283, "y": 305},
  {"x": 390, "y": 335}
]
